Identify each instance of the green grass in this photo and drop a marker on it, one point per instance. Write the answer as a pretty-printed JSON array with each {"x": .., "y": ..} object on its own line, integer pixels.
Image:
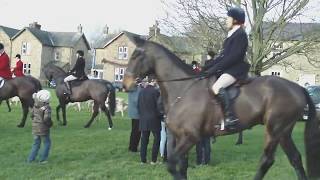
[{"x": 97, "y": 153}]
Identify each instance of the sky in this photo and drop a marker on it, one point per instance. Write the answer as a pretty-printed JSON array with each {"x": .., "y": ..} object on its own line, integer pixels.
[{"x": 65, "y": 15}]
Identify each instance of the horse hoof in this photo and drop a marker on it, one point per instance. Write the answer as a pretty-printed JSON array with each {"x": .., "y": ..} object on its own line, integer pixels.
[
  {"x": 20, "y": 126},
  {"x": 109, "y": 128},
  {"x": 238, "y": 143},
  {"x": 86, "y": 126}
]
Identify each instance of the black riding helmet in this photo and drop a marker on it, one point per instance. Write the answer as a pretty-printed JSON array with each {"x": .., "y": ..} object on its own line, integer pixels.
[{"x": 237, "y": 14}]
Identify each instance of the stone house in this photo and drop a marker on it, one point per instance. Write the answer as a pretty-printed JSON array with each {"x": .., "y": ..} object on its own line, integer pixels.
[
  {"x": 38, "y": 47},
  {"x": 6, "y": 34},
  {"x": 297, "y": 67},
  {"x": 112, "y": 52}
]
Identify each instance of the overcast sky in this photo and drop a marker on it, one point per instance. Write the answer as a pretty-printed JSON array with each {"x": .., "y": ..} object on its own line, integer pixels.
[{"x": 65, "y": 15}]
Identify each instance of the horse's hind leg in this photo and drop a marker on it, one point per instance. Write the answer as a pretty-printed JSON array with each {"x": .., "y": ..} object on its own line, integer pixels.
[
  {"x": 8, "y": 104},
  {"x": 64, "y": 114},
  {"x": 107, "y": 113},
  {"x": 94, "y": 114},
  {"x": 267, "y": 158},
  {"x": 240, "y": 138},
  {"x": 293, "y": 155},
  {"x": 25, "y": 108}
]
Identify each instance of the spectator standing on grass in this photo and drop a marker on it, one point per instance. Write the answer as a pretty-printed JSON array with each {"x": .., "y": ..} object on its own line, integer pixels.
[
  {"x": 150, "y": 120},
  {"x": 41, "y": 123},
  {"x": 133, "y": 114}
]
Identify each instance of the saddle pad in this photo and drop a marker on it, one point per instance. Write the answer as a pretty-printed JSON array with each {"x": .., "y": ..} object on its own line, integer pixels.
[{"x": 2, "y": 81}]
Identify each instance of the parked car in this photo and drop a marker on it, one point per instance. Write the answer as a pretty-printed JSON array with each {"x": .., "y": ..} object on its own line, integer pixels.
[
  {"x": 314, "y": 92},
  {"x": 118, "y": 85}
]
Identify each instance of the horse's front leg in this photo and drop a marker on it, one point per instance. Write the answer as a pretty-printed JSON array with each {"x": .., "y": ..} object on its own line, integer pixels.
[
  {"x": 179, "y": 156},
  {"x": 64, "y": 115},
  {"x": 58, "y": 114},
  {"x": 94, "y": 114},
  {"x": 25, "y": 109}
]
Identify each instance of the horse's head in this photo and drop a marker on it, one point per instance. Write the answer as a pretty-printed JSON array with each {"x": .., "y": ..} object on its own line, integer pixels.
[
  {"x": 141, "y": 64},
  {"x": 52, "y": 71},
  {"x": 48, "y": 73}
]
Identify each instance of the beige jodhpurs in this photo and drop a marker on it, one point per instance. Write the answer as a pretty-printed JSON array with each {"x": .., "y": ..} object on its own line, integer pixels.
[
  {"x": 223, "y": 81},
  {"x": 69, "y": 78}
]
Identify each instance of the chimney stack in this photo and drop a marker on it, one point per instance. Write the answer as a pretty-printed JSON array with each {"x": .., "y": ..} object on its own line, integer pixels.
[
  {"x": 106, "y": 30},
  {"x": 154, "y": 30},
  {"x": 79, "y": 28},
  {"x": 35, "y": 25}
]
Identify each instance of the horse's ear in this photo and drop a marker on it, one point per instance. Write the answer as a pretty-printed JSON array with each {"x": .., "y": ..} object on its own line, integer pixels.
[{"x": 138, "y": 41}]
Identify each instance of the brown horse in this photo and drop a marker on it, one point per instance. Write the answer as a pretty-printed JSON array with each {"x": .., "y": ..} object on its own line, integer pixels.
[
  {"x": 23, "y": 87},
  {"x": 272, "y": 101},
  {"x": 97, "y": 90}
]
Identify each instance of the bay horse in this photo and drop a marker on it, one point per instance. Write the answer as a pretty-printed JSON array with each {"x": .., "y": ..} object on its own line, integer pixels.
[
  {"x": 96, "y": 89},
  {"x": 23, "y": 87},
  {"x": 268, "y": 100}
]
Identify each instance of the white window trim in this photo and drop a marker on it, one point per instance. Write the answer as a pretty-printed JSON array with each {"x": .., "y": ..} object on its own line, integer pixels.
[
  {"x": 122, "y": 52},
  {"x": 118, "y": 75},
  {"x": 27, "y": 68},
  {"x": 276, "y": 73},
  {"x": 25, "y": 48},
  {"x": 57, "y": 56}
]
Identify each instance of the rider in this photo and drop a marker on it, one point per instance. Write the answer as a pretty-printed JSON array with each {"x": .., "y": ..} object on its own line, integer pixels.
[
  {"x": 77, "y": 72},
  {"x": 18, "y": 70},
  {"x": 230, "y": 65},
  {"x": 5, "y": 71}
]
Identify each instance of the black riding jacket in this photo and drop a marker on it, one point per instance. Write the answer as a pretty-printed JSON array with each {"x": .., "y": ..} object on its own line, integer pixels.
[
  {"x": 232, "y": 58},
  {"x": 78, "y": 69}
]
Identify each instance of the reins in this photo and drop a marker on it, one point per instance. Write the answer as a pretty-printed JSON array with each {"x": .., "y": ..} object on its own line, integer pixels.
[{"x": 200, "y": 76}]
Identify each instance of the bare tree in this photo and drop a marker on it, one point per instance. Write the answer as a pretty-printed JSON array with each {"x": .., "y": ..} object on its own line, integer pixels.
[{"x": 267, "y": 21}]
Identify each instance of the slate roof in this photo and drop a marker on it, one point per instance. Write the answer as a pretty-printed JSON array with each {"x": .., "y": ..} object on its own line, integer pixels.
[
  {"x": 9, "y": 31},
  {"x": 178, "y": 44},
  {"x": 293, "y": 31},
  {"x": 105, "y": 40},
  {"x": 55, "y": 39}
]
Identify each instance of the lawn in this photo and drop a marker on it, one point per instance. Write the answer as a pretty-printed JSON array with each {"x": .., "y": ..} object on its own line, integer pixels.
[{"x": 96, "y": 153}]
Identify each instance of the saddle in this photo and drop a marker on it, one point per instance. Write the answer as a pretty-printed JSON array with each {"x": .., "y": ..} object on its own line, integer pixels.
[
  {"x": 78, "y": 82},
  {"x": 234, "y": 89}
]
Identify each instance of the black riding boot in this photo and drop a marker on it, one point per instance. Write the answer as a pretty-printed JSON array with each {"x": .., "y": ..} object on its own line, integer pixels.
[
  {"x": 68, "y": 89},
  {"x": 230, "y": 119}
]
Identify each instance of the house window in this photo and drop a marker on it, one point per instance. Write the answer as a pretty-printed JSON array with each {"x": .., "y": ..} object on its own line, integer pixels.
[
  {"x": 275, "y": 73},
  {"x": 57, "y": 56},
  {"x": 25, "y": 48},
  {"x": 119, "y": 73},
  {"x": 123, "y": 52},
  {"x": 27, "y": 68}
]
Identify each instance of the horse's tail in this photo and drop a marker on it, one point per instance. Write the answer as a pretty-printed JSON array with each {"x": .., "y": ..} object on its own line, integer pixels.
[
  {"x": 111, "y": 98},
  {"x": 312, "y": 140}
]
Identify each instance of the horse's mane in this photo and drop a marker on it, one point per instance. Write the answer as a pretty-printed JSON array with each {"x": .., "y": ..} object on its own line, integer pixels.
[{"x": 174, "y": 58}]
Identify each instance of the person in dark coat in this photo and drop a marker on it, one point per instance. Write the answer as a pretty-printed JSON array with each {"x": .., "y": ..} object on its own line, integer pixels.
[
  {"x": 18, "y": 70},
  {"x": 5, "y": 71},
  {"x": 150, "y": 120},
  {"x": 230, "y": 65},
  {"x": 77, "y": 72},
  {"x": 133, "y": 113}
]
